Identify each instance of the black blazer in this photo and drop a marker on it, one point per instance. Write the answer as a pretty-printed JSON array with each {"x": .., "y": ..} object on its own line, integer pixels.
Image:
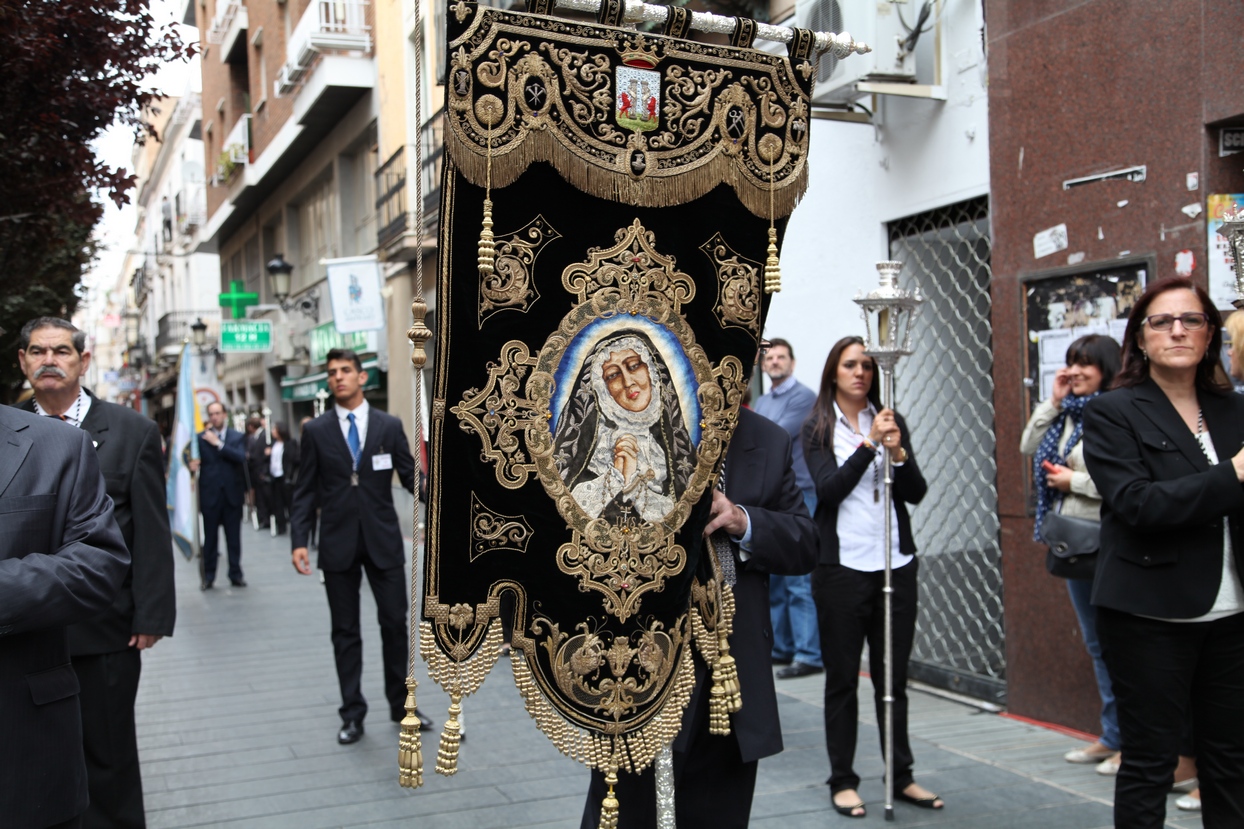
[
  {"x": 221, "y": 481},
  {"x": 1162, "y": 503},
  {"x": 127, "y": 445},
  {"x": 834, "y": 484},
  {"x": 256, "y": 460},
  {"x": 62, "y": 560},
  {"x": 761, "y": 479},
  {"x": 346, "y": 511},
  {"x": 290, "y": 460}
]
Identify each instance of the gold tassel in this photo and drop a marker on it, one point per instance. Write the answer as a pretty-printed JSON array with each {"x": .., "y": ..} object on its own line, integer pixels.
[
  {"x": 609, "y": 806},
  {"x": 409, "y": 748},
  {"x": 773, "y": 274},
  {"x": 729, "y": 678},
  {"x": 488, "y": 251},
  {"x": 451, "y": 737},
  {"x": 718, "y": 713}
]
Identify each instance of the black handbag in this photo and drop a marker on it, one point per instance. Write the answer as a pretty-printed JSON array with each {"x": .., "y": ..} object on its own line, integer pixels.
[{"x": 1073, "y": 545}]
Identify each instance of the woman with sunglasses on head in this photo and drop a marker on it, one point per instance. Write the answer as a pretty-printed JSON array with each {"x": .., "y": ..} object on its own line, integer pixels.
[
  {"x": 1165, "y": 452},
  {"x": 1053, "y": 438},
  {"x": 843, "y": 440}
]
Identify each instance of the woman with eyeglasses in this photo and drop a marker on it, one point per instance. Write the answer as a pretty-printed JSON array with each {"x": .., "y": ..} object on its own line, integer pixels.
[
  {"x": 843, "y": 441},
  {"x": 1053, "y": 437},
  {"x": 1165, "y": 452}
]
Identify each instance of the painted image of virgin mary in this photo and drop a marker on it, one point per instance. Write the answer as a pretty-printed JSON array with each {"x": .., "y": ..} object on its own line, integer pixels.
[{"x": 621, "y": 445}]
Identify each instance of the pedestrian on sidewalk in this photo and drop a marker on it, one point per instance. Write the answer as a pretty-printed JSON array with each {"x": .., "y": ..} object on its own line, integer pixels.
[
  {"x": 1063, "y": 486},
  {"x": 796, "y": 639},
  {"x": 349, "y": 455},
  {"x": 106, "y": 649},
  {"x": 258, "y": 442},
  {"x": 283, "y": 457},
  {"x": 842, "y": 442},
  {"x": 1165, "y": 451},
  {"x": 222, "y": 487}
]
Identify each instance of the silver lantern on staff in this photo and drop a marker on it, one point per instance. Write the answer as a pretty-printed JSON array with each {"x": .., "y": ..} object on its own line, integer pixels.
[
  {"x": 1233, "y": 229},
  {"x": 889, "y": 313}
]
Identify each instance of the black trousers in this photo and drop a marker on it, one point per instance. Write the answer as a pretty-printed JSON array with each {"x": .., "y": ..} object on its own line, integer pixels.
[
  {"x": 1163, "y": 673},
  {"x": 850, "y": 608},
  {"x": 109, "y": 684},
  {"x": 279, "y": 498},
  {"x": 263, "y": 505},
  {"x": 229, "y": 517},
  {"x": 389, "y": 588},
  {"x": 713, "y": 787}
]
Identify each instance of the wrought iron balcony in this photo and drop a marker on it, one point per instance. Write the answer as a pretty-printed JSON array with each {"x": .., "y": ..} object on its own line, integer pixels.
[
  {"x": 173, "y": 328},
  {"x": 326, "y": 26},
  {"x": 395, "y": 191}
]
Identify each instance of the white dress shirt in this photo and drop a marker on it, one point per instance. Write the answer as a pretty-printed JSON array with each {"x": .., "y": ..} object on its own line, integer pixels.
[
  {"x": 275, "y": 467},
  {"x": 75, "y": 414},
  {"x": 861, "y": 531},
  {"x": 360, "y": 420}
]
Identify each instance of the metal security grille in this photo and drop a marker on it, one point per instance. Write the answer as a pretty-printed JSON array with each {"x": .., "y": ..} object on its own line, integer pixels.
[{"x": 945, "y": 391}]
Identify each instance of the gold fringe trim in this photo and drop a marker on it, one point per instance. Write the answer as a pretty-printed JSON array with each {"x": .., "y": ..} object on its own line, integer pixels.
[
  {"x": 451, "y": 738},
  {"x": 631, "y": 751},
  {"x": 409, "y": 748},
  {"x": 617, "y": 184}
]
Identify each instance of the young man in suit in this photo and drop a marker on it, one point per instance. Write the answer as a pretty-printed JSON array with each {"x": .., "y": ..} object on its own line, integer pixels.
[
  {"x": 106, "y": 649},
  {"x": 349, "y": 455},
  {"x": 762, "y": 512},
  {"x": 62, "y": 561},
  {"x": 221, "y": 490}
]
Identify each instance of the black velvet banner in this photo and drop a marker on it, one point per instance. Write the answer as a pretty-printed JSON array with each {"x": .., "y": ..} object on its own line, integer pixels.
[{"x": 591, "y": 360}]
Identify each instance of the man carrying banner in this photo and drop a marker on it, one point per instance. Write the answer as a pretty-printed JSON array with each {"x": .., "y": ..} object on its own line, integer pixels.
[{"x": 106, "y": 649}]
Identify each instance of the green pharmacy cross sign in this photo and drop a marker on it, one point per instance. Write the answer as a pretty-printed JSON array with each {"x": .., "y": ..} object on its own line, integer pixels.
[{"x": 237, "y": 300}]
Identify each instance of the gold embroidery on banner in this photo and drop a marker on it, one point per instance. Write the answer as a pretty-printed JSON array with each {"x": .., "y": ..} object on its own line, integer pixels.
[
  {"x": 460, "y": 10},
  {"x": 511, "y": 285},
  {"x": 493, "y": 531},
  {"x": 738, "y": 300},
  {"x": 554, "y": 81},
  {"x": 633, "y": 743},
  {"x": 498, "y": 414}
]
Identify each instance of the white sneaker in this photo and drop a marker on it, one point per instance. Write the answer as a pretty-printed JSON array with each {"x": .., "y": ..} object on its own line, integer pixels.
[
  {"x": 1189, "y": 803},
  {"x": 1084, "y": 756},
  {"x": 1110, "y": 766}
]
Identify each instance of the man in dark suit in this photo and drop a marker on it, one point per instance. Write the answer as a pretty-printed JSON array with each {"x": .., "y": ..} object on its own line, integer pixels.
[
  {"x": 762, "y": 511},
  {"x": 221, "y": 489},
  {"x": 106, "y": 649},
  {"x": 62, "y": 560},
  {"x": 349, "y": 455}
]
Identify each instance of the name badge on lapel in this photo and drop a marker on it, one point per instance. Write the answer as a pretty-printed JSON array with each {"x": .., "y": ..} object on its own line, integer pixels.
[{"x": 379, "y": 462}]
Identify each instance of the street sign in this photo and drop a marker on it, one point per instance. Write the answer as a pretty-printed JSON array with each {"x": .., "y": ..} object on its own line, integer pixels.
[{"x": 251, "y": 335}]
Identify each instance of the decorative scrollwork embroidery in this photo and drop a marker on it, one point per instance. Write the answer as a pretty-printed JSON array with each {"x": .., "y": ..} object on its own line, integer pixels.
[
  {"x": 738, "y": 300},
  {"x": 498, "y": 414},
  {"x": 492, "y": 530},
  {"x": 510, "y": 286}
]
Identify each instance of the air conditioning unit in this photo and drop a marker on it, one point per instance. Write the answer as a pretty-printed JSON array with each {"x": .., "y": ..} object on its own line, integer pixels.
[{"x": 875, "y": 22}]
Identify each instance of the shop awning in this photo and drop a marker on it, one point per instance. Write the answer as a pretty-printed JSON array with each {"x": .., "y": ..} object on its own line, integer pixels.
[{"x": 305, "y": 387}]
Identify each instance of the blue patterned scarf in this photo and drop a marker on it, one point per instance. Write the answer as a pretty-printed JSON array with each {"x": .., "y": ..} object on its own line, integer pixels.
[{"x": 1072, "y": 407}]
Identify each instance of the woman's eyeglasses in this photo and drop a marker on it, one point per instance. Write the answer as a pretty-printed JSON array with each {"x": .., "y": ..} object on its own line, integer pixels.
[{"x": 1191, "y": 321}]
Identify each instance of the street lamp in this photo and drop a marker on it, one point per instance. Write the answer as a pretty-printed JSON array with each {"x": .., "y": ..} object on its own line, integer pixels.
[
  {"x": 198, "y": 333},
  {"x": 889, "y": 312},
  {"x": 279, "y": 272}
]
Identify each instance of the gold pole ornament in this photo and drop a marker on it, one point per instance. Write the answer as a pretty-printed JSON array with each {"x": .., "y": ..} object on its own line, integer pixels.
[
  {"x": 419, "y": 333},
  {"x": 409, "y": 746}
]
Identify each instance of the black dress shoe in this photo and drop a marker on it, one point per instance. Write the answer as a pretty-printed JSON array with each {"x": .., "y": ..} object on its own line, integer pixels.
[
  {"x": 779, "y": 660},
  {"x": 351, "y": 732},
  {"x": 797, "y": 669},
  {"x": 207, "y": 585},
  {"x": 238, "y": 583}
]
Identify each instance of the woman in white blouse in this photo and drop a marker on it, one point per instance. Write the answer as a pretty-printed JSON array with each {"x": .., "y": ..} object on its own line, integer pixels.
[{"x": 843, "y": 440}]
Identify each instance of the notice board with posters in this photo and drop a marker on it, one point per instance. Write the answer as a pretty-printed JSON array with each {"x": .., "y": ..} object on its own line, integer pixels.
[{"x": 1062, "y": 306}]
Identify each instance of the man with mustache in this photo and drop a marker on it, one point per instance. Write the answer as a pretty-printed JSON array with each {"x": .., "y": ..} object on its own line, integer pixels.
[{"x": 106, "y": 649}]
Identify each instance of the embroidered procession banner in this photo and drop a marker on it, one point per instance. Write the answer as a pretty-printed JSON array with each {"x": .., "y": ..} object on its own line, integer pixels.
[{"x": 609, "y": 203}]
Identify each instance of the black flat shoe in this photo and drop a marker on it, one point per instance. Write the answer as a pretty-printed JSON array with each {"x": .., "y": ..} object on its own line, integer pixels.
[
  {"x": 849, "y": 811},
  {"x": 931, "y": 802},
  {"x": 239, "y": 583},
  {"x": 207, "y": 585},
  {"x": 351, "y": 732},
  {"x": 798, "y": 669}
]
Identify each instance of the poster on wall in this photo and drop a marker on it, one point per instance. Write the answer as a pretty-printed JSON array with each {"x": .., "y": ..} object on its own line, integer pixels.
[
  {"x": 1221, "y": 269},
  {"x": 1060, "y": 309},
  {"x": 354, "y": 287}
]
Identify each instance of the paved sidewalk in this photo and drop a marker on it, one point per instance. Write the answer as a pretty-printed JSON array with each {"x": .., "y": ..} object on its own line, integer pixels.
[{"x": 237, "y": 719}]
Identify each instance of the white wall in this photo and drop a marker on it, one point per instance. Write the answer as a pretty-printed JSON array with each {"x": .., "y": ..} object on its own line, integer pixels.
[{"x": 918, "y": 155}]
